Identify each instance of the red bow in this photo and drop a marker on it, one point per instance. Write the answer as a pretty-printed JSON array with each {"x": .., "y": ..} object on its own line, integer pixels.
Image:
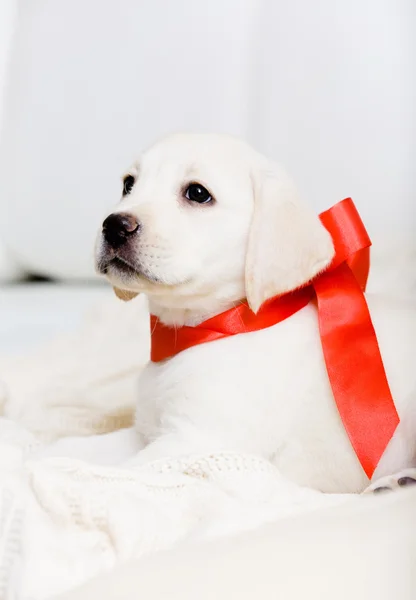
[{"x": 349, "y": 342}]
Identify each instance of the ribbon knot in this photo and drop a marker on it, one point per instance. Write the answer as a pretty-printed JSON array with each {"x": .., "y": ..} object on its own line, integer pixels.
[
  {"x": 352, "y": 356},
  {"x": 350, "y": 238}
]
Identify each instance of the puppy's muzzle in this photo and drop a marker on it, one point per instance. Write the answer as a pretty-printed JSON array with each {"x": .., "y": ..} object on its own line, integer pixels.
[{"x": 118, "y": 228}]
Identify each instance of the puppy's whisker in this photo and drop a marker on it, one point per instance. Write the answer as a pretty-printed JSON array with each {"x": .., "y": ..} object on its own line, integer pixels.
[
  {"x": 154, "y": 326},
  {"x": 236, "y": 305}
]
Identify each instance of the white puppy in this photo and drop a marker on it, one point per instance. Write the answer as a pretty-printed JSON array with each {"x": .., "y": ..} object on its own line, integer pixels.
[{"x": 205, "y": 222}]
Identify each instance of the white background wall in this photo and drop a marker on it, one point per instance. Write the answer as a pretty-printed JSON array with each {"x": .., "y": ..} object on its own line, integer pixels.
[
  {"x": 328, "y": 88},
  {"x": 8, "y": 268},
  {"x": 7, "y": 21}
]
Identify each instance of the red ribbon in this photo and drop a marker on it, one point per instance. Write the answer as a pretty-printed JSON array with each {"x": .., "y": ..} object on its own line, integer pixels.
[{"x": 352, "y": 356}]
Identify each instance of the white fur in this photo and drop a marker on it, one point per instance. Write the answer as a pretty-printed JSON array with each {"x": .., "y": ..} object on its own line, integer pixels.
[{"x": 265, "y": 392}]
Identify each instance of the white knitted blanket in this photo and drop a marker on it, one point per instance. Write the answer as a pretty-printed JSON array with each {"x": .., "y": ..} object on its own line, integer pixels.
[{"x": 62, "y": 519}]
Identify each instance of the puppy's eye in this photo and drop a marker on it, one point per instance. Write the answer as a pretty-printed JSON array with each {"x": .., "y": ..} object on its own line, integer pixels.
[
  {"x": 195, "y": 192},
  {"x": 128, "y": 183}
]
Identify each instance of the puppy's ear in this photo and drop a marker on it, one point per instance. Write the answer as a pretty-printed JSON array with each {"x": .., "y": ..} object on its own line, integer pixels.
[
  {"x": 288, "y": 245},
  {"x": 125, "y": 295}
]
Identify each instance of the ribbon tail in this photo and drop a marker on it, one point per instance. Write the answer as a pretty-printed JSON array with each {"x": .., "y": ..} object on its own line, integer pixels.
[{"x": 354, "y": 365}]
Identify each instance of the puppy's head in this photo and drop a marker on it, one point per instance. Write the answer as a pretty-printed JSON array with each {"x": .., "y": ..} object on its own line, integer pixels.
[{"x": 205, "y": 220}]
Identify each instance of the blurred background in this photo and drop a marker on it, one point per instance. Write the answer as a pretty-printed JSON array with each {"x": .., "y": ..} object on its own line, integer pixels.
[{"x": 328, "y": 88}]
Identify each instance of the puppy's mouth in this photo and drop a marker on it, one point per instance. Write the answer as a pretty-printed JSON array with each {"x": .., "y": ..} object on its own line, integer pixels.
[
  {"x": 112, "y": 265},
  {"x": 123, "y": 268},
  {"x": 120, "y": 265}
]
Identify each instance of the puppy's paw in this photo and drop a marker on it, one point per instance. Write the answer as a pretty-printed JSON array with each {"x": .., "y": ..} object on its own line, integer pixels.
[{"x": 402, "y": 479}]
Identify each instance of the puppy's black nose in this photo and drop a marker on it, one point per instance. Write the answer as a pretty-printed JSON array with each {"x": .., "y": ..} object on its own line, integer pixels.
[{"x": 118, "y": 227}]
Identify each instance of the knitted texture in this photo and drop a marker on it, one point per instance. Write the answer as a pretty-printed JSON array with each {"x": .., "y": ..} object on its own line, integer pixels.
[{"x": 62, "y": 521}]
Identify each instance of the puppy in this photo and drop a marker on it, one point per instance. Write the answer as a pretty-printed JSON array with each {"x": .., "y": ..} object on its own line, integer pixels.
[{"x": 205, "y": 222}]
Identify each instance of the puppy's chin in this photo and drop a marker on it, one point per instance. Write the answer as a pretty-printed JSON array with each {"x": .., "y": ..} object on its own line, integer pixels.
[
  {"x": 126, "y": 278},
  {"x": 130, "y": 276},
  {"x": 124, "y": 273},
  {"x": 138, "y": 281}
]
